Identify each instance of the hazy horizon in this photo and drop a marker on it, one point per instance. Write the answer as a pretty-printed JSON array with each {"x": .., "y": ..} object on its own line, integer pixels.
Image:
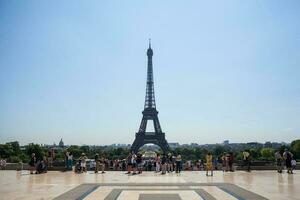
[{"x": 223, "y": 70}]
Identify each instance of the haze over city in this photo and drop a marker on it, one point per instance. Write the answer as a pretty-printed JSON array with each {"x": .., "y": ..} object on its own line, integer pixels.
[{"x": 77, "y": 70}]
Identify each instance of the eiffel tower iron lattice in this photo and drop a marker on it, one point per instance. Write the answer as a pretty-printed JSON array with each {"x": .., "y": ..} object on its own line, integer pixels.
[{"x": 150, "y": 113}]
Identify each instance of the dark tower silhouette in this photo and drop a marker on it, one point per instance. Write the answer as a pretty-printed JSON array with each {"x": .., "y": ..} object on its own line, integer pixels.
[{"x": 150, "y": 113}]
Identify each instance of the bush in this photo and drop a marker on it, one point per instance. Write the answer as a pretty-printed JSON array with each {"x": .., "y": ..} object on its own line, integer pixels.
[{"x": 267, "y": 153}]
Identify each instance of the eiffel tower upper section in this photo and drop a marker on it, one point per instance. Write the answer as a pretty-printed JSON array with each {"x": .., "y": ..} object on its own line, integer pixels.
[{"x": 150, "y": 97}]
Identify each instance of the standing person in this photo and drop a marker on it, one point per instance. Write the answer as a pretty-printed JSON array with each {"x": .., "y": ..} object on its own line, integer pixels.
[
  {"x": 164, "y": 164},
  {"x": 66, "y": 154},
  {"x": 134, "y": 165},
  {"x": 170, "y": 163},
  {"x": 149, "y": 165},
  {"x": 216, "y": 163},
  {"x": 129, "y": 163},
  {"x": 157, "y": 163},
  {"x": 97, "y": 163},
  {"x": 50, "y": 158},
  {"x": 139, "y": 163},
  {"x": 209, "y": 164},
  {"x": 70, "y": 161},
  {"x": 83, "y": 162},
  {"x": 223, "y": 158},
  {"x": 178, "y": 163},
  {"x": 32, "y": 163},
  {"x": 246, "y": 159},
  {"x": 102, "y": 163},
  {"x": 202, "y": 164},
  {"x": 279, "y": 161},
  {"x": 227, "y": 158},
  {"x": 2, "y": 164},
  {"x": 288, "y": 160},
  {"x": 230, "y": 161},
  {"x": 123, "y": 165}
]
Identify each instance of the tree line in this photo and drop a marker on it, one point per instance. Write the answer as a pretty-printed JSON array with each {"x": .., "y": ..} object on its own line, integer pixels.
[{"x": 12, "y": 152}]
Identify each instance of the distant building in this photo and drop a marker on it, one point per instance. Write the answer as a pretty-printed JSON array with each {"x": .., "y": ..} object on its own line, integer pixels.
[
  {"x": 226, "y": 142},
  {"x": 174, "y": 145}
]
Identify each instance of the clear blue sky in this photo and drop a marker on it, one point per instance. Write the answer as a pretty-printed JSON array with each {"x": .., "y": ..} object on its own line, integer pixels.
[{"x": 77, "y": 70}]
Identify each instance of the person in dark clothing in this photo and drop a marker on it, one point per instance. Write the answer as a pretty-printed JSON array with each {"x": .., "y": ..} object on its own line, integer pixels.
[
  {"x": 41, "y": 166},
  {"x": 230, "y": 162},
  {"x": 288, "y": 160},
  {"x": 139, "y": 163},
  {"x": 170, "y": 163},
  {"x": 97, "y": 163},
  {"x": 123, "y": 165},
  {"x": 246, "y": 160},
  {"x": 32, "y": 163},
  {"x": 163, "y": 164},
  {"x": 149, "y": 165},
  {"x": 129, "y": 163},
  {"x": 178, "y": 163}
]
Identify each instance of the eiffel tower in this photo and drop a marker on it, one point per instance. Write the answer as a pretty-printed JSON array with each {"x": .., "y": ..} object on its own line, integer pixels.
[{"x": 150, "y": 114}]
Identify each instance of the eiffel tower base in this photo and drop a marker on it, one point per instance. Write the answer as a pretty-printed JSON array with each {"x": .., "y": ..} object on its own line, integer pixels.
[{"x": 150, "y": 138}]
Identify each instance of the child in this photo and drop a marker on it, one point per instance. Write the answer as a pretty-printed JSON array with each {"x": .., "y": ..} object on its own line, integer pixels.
[{"x": 294, "y": 163}]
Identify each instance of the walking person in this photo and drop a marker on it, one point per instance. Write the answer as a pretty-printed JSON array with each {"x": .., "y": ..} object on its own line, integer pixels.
[
  {"x": 209, "y": 164},
  {"x": 32, "y": 163},
  {"x": 157, "y": 163},
  {"x": 279, "y": 161},
  {"x": 178, "y": 163},
  {"x": 246, "y": 160},
  {"x": 287, "y": 155}
]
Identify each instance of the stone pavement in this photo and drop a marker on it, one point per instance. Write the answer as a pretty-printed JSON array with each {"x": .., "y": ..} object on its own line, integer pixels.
[{"x": 258, "y": 185}]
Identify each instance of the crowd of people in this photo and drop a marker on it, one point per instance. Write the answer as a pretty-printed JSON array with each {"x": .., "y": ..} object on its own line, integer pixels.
[
  {"x": 286, "y": 159},
  {"x": 164, "y": 163},
  {"x": 161, "y": 163}
]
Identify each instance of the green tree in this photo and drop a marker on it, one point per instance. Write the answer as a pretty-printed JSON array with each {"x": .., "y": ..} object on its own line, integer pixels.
[
  {"x": 35, "y": 148},
  {"x": 75, "y": 150},
  {"x": 267, "y": 153},
  {"x": 255, "y": 153},
  {"x": 295, "y": 147},
  {"x": 6, "y": 150},
  {"x": 15, "y": 147}
]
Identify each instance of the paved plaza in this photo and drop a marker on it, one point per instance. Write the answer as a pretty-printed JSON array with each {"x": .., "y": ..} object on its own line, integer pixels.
[{"x": 189, "y": 185}]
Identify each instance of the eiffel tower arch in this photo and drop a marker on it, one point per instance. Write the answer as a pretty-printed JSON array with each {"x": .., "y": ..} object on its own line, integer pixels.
[{"x": 143, "y": 137}]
